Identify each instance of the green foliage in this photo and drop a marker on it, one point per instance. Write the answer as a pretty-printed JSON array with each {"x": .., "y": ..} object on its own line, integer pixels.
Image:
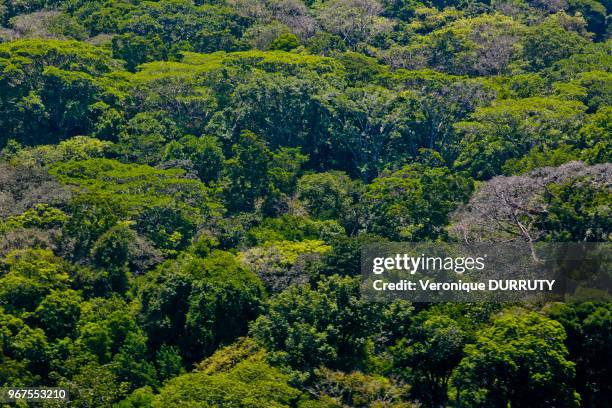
[
  {"x": 427, "y": 358},
  {"x": 289, "y": 251},
  {"x": 67, "y": 91},
  {"x": 95, "y": 384},
  {"x": 593, "y": 57},
  {"x": 508, "y": 129},
  {"x": 338, "y": 389},
  {"x": 41, "y": 216},
  {"x": 330, "y": 196},
  {"x": 92, "y": 215},
  {"x": 131, "y": 361},
  {"x": 520, "y": 359},
  {"x": 578, "y": 211},
  {"x": 144, "y": 136},
  {"x": 539, "y": 157},
  {"x": 75, "y": 148},
  {"x": 482, "y": 45},
  {"x": 549, "y": 42},
  {"x": 596, "y": 135},
  {"x": 23, "y": 351},
  {"x": 280, "y": 105},
  {"x": 325, "y": 44},
  {"x": 370, "y": 123},
  {"x": 587, "y": 326},
  {"x": 283, "y": 263},
  {"x": 593, "y": 88},
  {"x": 246, "y": 382},
  {"x": 136, "y": 50},
  {"x": 58, "y": 313},
  {"x": 140, "y": 398},
  {"x": 594, "y": 13},
  {"x": 169, "y": 362},
  {"x": 165, "y": 165},
  {"x": 31, "y": 275},
  {"x": 292, "y": 228},
  {"x": 165, "y": 206},
  {"x": 248, "y": 172},
  {"x": 198, "y": 304},
  {"x": 286, "y": 166},
  {"x": 413, "y": 203},
  {"x": 344, "y": 258},
  {"x": 112, "y": 248},
  {"x": 178, "y": 24},
  {"x": 285, "y": 42},
  {"x": 361, "y": 69},
  {"x": 306, "y": 328},
  {"x": 204, "y": 153}
]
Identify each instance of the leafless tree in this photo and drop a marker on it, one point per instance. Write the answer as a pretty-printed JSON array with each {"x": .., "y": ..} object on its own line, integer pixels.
[
  {"x": 354, "y": 20},
  {"x": 48, "y": 24},
  {"x": 295, "y": 15},
  {"x": 24, "y": 238},
  {"x": 508, "y": 208},
  {"x": 291, "y": 13},
  {"x": 261, "y": 36},
  {"x": 551, "y": 6},
  {"x": 276, "y": 273},
  {"x": 21, "y": 187}
]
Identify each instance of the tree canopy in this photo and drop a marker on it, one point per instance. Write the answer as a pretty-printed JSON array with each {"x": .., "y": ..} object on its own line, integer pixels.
[{"x": 186, "y": 188}]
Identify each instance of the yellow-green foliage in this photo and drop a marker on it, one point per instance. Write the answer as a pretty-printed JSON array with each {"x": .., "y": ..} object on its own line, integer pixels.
[
  {"x": 41, "y": 216},
  {"x": 291, "y": 250},
  {"x": 227, "y": 358},
  {"x": 193, "y": 64},
  {"x": 360, "y": 390},
  {"x": 191, "y": 172},
  {"x": 272, "y": 61},
  {"x": 138, "y": 185},
  {"x": 69, "y": 55},
  {"x": 30, "y": 275},
  {"x": 235, "y": 376},
  {"x": 76, "y": 148}
]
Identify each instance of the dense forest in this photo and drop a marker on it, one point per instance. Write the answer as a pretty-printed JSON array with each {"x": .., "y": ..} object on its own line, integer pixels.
[{"x": 186, "y": 186}]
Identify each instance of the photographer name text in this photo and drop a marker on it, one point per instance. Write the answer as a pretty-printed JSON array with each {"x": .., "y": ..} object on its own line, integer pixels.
[{"x": 490, "y": 285}]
